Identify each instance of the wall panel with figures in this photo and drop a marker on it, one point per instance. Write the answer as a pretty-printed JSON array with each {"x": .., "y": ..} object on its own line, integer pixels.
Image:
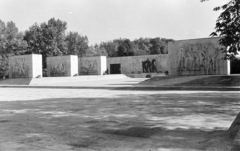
[
  {"x": 25, "y": 66},
  {"x": 61, "y": 66},
  {"x": 92, "y": 65},
  {"x": 140, "y": 64},
  {"x": 197, "y": 57}
]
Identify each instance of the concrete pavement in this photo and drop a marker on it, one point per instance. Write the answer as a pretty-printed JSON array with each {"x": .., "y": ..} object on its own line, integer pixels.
[
  {"x": 48, "y": 116},
  {"x": 119, "y": 82}
]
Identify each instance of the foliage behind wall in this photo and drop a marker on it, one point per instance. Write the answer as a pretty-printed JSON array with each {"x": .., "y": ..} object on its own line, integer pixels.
[{"x": 52, "y": 39}]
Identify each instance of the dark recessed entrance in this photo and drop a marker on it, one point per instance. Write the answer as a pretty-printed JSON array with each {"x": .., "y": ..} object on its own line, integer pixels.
[
  {"x": 115, "y": 68},
  {"x": 235, "y": 66}
]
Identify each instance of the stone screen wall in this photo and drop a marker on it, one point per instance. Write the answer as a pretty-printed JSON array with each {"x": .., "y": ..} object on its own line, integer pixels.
[
  {"x": 92, "y": 65},
  {"x": 60, "y": 66},
  {"x": 140, "y": 64},
  {"x": 185, "y": 57},
  {"x": 197, "y": 57},
  {"x": 25, "y": 66}
]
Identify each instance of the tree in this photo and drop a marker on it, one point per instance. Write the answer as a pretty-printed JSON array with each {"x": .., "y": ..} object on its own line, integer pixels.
[
  {"x": 157, "y": 46},
  {"x": 76, "y": 44},
  {"x": 137, "y": 47},
  {"x": 35, "y": 39},
  {"x": 47, "y": 39},
  {"x": 11, "y": 43},
  {"x": 96, "y": 50},
  {"x": 56, "y": 30},
  {"x": 228, "y": 28},
  {"x": 110, "y": 47},
  {"x": 166, "y": 41},
  {"x": 148, "y": 46},
  {"x": 125, "y": 48},
  {"x": 142, "y": 46}
]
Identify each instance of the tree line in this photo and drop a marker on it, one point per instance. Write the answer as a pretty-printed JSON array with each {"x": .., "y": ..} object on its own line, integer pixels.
[{"x": 52, "y": 39}]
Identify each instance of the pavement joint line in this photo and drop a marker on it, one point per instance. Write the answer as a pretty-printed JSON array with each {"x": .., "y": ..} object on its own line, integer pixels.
[{"x": 201, "y": 88}]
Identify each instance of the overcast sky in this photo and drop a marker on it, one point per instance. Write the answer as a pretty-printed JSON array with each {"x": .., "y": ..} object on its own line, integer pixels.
[{"x": 103, "y": 20}]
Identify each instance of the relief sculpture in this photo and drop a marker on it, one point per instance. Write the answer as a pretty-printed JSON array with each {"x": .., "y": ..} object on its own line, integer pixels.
[
  {"x": 20, "y": 68},
  {"x": 58, "y": 69},
  {"x": 201, "y": 58},
  {"x": 149, "y": 66},
  {"x": 89, "y": 67}
]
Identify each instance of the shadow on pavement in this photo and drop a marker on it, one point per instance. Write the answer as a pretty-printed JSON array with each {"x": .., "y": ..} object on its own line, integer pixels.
[{"x": 184, "y": 121}]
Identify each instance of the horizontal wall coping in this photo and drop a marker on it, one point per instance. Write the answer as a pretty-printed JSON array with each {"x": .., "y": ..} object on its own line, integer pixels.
[
  {"x": 62, "y": 56},
  {"x": 27, "y": 55},
  {"x": 137, "y": 56},
  {"x": 92, "y": 57},
  {"x": 195, "y": 39}
]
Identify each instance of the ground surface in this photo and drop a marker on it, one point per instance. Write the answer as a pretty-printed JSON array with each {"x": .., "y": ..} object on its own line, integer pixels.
[
  {"x": 110, "y": 119},
  {"x": 204, "y": 80},
  {"x": 214, "y": 81}
]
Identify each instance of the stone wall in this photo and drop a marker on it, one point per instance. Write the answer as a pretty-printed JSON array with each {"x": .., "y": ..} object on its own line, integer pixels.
[
  {"x": 185, "y": 57},
  {"x": 92, "y": 65},
  {"x": 25, "y": 66},
  {"x": 140, "y": 64},
  {"x": 197, "y": 57},
  {"x": 60, "y": 66}
]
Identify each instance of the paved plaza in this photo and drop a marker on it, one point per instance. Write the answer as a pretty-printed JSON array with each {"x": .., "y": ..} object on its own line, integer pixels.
[{"x": 110, "y": 119}]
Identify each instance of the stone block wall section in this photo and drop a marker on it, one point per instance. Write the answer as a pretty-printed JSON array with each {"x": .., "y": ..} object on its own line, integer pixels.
[
  {"x": 197, "y": 57},
  {"x": 61, "y": 66},
  {"x": 138, "y": 64},
  {"x": 185, "y": 57},
  {"x": 92, "y": 65},
  {"x": 25, "y": 66}
]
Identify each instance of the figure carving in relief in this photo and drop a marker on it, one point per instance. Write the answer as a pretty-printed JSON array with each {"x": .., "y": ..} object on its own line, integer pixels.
[
  {"x": 144, "y": 70},
  {"x": 146, "y": 65},
  {"x": 154, "y": 68},
  {"x": 89, "y": 68},
  {"x": 194, "y": 56},
  {"x": 196, "y": 61},
  {"x": 212, "y": 61},
  {"x": 197, "y": 56},
  {"x": 58, "y": 69},
  {"x": 183, "y": 60},
  {"x": 149, "y": 66},
  {"x": 204, "y": 60},
  {"x": 20, "y": 68},
  {"x": 190, "y": 59}
]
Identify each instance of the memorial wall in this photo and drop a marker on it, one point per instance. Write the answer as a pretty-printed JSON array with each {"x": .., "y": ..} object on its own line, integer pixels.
[
  {"x": 92, "y": 65},
  {"x": 138, "y": 64},
  {"x": 61, "y": 66},
  {"x": 185, "y": 57},
  {"x": 197, "y": 57},
  {"x": 25, "y": 66}
]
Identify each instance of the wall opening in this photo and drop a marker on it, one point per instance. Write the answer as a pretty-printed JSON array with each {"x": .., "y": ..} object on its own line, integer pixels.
[
  {"x": 115, "y": 68},
  {"x": 235, "y": 66}
]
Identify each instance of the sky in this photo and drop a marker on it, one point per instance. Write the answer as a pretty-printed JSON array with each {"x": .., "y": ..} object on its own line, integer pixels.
[{"x": 104, "y": 20}]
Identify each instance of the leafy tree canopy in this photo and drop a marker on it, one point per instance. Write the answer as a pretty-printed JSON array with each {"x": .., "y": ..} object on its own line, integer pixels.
[
  {"x": 76, "y": 44},
  {"x": 137, "y": 47},
  {"x": 228, "y": 28},
  {"x": 11, "y": 43},
  {"x": 125, "y": 48},
  {"x": 47, "y": 39},
  {"x": 96, "y": 50}
]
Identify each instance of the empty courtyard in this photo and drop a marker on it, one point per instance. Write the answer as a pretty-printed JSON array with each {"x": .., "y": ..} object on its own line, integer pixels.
[{"x": 108, "y": 118}]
